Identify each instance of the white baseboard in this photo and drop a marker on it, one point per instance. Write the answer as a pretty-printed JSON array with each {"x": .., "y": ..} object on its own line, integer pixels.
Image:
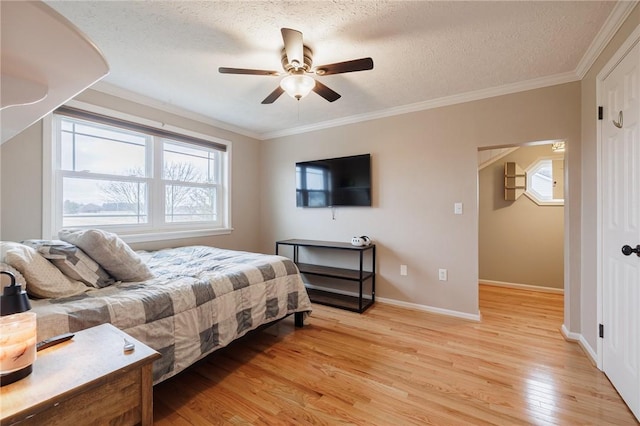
[
  {"x": 523, "y": 286},
  {"x": 409, "y": 305},
  {"x": 473, "y": 317},
  {"x": 572, "y": 337},
  {"x": 579, "y": 339}
]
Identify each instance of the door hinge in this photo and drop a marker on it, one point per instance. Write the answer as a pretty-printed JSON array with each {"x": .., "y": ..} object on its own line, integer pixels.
[
  {"x": 600, "y": 113},
  {"x": 601, "y": 330}
]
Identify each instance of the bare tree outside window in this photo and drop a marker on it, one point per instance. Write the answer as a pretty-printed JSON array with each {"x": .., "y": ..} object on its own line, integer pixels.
[
  {"x": 182, "y": 202},
  {"x": 125, "y": 197}
]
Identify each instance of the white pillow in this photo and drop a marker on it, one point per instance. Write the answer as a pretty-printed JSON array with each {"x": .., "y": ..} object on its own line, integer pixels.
[
  {"x": 113, "y": 254},
  {"x": 44, "y": 280}
]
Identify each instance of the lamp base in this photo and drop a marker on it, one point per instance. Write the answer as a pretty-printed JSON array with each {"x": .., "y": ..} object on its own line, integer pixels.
[{"x": 14, "y": 376}]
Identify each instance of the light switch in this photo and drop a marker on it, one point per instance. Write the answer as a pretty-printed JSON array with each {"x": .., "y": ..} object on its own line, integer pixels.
[
  {"x": 442, "y": 274},
  {"x": 457, "y": 208}
]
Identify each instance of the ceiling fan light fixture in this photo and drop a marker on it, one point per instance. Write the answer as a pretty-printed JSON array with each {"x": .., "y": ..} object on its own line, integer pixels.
[
  {"x": 297, "y": 85},
  {"x": 297, "y": 61}
]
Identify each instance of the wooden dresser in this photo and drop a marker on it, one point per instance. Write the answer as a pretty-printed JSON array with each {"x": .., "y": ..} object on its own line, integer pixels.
[{"x": 86, "y": 380}]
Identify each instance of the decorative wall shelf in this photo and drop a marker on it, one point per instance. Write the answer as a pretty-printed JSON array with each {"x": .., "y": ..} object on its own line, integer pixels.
[{"x": 515, "y": 181}]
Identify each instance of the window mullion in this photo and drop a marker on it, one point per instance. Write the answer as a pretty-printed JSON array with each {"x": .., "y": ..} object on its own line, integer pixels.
[
  {"x": 73, "y": 146},
  {"x": 157, "y": 207}
]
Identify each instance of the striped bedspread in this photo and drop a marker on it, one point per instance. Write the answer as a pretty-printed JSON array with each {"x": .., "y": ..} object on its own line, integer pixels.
[{"x": 201, "y": 299}]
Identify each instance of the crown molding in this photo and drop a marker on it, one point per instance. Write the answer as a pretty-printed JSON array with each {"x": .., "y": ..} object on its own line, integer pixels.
[
  {"x": 614, "y": 21},
  {"x": 476, "y": 95},
  {"x": 110, "y": 89},
  {"x": 506, "y": 89}
]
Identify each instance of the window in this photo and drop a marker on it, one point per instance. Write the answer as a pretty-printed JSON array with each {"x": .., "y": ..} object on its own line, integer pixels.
[
  {"x": 189, "y": 175},
  {"x": 130, "y": 178},
  {"x": 545, "y": 181}
]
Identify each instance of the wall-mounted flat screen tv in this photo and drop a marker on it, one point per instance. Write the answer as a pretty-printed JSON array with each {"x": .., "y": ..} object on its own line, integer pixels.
[{"x": 334, "y": 182}]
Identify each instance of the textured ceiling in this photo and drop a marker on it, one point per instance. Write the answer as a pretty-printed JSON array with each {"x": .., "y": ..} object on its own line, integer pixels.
[{"x": 171, "y": 51}]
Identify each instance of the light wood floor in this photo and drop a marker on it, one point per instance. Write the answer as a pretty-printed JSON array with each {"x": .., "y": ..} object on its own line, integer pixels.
[{"x": 395, "y": 366}]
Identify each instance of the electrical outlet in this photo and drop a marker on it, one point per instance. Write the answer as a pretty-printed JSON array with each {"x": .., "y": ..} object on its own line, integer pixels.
[
  {"x": 442, "y": 274},
  {"x": 403, "y": 270}
]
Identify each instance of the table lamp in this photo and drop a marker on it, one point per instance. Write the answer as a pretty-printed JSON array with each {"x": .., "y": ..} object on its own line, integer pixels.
[{"x": 17, "y": 333}]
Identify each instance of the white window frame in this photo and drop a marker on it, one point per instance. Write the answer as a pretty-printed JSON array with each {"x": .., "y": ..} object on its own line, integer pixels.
[
  {"x": 533, "y": 195},
  {"x": 153, "y": 231}
]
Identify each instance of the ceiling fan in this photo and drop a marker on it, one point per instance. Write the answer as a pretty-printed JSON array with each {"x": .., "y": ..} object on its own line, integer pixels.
[{"x": 296, "y": 61}]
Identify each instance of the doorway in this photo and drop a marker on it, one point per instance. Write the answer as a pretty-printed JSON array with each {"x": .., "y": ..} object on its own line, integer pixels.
[{"x": 521, "y": 241}]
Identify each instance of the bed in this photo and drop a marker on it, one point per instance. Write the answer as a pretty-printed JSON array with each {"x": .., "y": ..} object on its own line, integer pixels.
[{"x": 199, "y": 300}]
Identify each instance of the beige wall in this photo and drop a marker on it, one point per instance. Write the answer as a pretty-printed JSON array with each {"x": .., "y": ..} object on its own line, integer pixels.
[
  {"x": 423, "y": 163},
  {"x": 588, "y": 295},
  {"x": 21, "y": 179},
  {"x": 21, "y": 189},
  {"x": 520, "y": 242}
]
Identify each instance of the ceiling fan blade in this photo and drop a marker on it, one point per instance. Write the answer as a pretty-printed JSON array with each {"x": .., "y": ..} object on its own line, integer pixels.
[
  {"x": 363, "y": 64},
  {"x": 224, "y": 70},
  {"x": 325, "y": 92},
  {"x": 293, "y": 46},
  {"x": 273, "y": 96}
]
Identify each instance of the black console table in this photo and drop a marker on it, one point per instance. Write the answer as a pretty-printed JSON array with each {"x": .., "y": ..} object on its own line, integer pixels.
[{"x": 357, "y": 301}]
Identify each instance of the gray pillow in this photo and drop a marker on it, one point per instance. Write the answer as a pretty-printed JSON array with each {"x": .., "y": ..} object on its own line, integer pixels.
[
  {"x": 72, "y": 262},
  {"x": 113, "y": 254}
]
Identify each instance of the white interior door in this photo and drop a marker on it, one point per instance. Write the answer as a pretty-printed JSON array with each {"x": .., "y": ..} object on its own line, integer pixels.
[{"x": 621, "y": 226}]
